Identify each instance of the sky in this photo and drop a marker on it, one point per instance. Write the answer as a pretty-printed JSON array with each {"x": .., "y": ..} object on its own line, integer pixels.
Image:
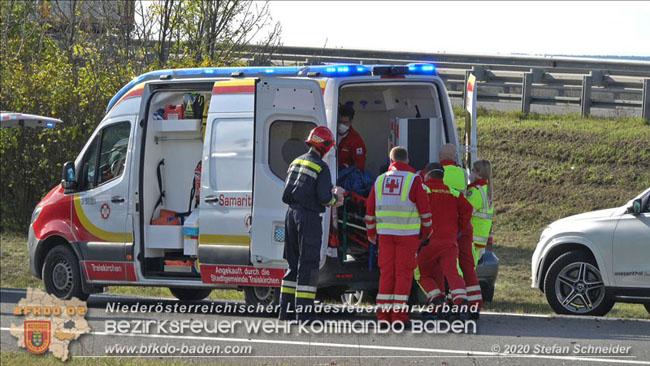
[{"x": 536, "y": 28}]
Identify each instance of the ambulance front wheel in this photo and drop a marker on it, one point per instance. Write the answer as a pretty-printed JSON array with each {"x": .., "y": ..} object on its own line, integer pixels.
[
  {"x": 190, "y": 294},
  {"x": 61, "y": 275},
  {"x": 262, "y": 295}
]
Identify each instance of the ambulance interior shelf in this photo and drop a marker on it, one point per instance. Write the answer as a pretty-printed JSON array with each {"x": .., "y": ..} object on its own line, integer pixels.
[
  {"x": 172, "y": 152},
  {"x": 182, "y": 121}
]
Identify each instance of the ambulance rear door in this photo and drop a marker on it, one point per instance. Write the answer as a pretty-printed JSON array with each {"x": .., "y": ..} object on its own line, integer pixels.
[
  {"x": 286, "y": 110},
  {"x": 422, "y": 137}
]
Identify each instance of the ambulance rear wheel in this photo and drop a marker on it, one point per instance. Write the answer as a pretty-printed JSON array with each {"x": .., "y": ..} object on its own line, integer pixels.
[
  {"x": 190, "y": 294},
  {"x": 360, "y": 297},
  {"x": 262, "y": 295},
  {"x": 61, "y": 275}
]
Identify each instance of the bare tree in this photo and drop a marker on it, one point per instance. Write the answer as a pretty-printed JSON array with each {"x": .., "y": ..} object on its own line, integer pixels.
[{"x": 200, "y": 32}]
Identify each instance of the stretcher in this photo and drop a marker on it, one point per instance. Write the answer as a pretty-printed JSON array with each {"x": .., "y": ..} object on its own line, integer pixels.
[{"x": 348, "y": 232}]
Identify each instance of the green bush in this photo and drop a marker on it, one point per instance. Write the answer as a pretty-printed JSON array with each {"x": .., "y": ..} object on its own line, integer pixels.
[{"x": 69, "y": 67}]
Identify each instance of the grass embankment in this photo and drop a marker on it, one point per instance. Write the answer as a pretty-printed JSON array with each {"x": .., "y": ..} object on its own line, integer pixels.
[
  {"x": 22, "y": 358},
  {"x": 545, "y": 168}
]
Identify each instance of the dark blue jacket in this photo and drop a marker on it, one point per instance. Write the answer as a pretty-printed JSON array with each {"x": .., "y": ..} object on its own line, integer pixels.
[{"x": 308, "y": 184}]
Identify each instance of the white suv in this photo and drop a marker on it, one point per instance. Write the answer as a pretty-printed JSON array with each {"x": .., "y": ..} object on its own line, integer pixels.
[{"x": 585, "y": 263}]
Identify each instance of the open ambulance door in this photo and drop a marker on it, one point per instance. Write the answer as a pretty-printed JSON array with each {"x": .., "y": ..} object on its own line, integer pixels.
[
  {"x": 286, "y": 110},
  {"x": 471, "y": 151}
]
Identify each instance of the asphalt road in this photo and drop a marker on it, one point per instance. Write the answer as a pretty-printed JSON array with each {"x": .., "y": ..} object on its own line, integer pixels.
[{"x": 535, "y": 340}]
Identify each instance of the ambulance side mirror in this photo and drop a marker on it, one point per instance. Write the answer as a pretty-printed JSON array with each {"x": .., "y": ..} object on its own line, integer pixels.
[{"x": 69, "y": 179}]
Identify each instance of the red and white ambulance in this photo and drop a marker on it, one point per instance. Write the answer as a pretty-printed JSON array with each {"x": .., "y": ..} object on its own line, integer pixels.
[{"x": 180, "y": 185}]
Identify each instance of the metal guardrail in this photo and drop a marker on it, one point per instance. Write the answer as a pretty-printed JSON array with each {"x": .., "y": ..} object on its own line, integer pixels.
[{"x": 519, "y": 81}]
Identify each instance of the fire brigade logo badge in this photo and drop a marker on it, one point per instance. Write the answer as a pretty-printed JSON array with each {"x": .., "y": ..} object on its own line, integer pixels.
[
  {"x": 392, "y": 186},
  {"x": 37, "y": 336},
  {"x": 50, "y": 324}
]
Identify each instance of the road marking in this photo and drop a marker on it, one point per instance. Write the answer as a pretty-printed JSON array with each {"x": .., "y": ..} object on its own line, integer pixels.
[
  {"x": 466, "y": 353},
  {"x": 315, "y": 356}
]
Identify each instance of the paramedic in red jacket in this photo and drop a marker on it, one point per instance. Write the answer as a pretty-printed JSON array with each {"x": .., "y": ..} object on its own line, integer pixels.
[
  {"x": 450, "y": 213},
  {"x": 455, "y": 178},
  {"x": 351, "y": 149},
  {"x": 398, "y": 210}
]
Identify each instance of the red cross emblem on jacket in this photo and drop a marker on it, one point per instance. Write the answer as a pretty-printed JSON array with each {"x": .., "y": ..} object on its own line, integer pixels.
[{"x": 393, "y": 186}]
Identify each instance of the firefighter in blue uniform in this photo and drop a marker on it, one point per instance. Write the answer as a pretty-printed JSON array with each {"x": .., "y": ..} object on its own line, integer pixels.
[{"x": 308, "y": 191}]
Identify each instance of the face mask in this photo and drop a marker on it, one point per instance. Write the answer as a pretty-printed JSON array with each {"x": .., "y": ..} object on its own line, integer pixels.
[
  {"x": 343, "y": 129},
  {"x": 472, "y": 177}
]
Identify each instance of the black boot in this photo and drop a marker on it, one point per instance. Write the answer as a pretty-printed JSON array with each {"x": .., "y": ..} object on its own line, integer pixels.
[
  {"x": 463, "y": 311},
  {"x": 437, "y": 313}
]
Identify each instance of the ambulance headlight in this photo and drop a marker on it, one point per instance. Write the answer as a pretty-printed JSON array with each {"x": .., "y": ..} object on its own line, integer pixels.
[
  {"x": 278, "y": 233},
  {"x": 37, "y": 211}
]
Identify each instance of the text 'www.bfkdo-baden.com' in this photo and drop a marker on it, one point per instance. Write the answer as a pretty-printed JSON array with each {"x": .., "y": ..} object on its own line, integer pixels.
[{"x": 156, "y": 349}]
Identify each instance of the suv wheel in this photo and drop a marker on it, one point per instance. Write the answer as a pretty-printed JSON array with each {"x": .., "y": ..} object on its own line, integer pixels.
[
  {"x": 190, "y": 294},
  {"x": 574, "y": 285},
  {"x": 61, "y": 275}
]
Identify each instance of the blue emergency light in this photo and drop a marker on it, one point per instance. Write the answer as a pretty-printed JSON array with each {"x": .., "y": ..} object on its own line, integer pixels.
[
  {"x": 336, "y": 70},
  {"x": 427, "y": 69},
  {"x": 49, "y": 124}
]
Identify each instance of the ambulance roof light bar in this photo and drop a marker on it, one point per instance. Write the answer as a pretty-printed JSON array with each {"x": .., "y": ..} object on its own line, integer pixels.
[
  {"x": 335, "y": 70},
  {"x": 418, "y": 68},
  {"x": 332, "y": 70},
  {"x": 14, "y": 119}
]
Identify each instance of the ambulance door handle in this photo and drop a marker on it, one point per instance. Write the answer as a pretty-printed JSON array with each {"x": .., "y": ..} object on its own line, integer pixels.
[
  {"x": 211, "y": 199},
  {"x": 117, "y": 199}
]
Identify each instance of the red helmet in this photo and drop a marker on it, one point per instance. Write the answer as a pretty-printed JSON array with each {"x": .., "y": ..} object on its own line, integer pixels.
[{"x": 321, "y": 138}]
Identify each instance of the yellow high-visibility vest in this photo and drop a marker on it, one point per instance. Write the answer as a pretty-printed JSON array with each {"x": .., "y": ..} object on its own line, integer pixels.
[
  {"x": 395, "y": 213},
  {"x": 482, "y": 215}
]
